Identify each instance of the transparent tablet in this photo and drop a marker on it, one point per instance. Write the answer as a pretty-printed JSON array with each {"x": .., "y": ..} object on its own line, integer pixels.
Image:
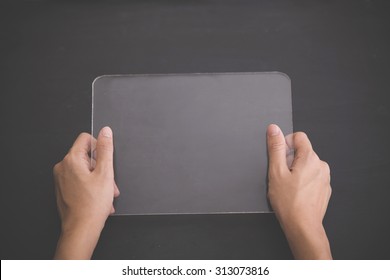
[{"x": 191, "y": 143}]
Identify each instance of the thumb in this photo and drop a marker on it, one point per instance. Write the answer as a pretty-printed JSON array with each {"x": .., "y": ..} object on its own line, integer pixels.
[
  {"x": 104, "y": 150},
  {"x": 276, "y": 149}
]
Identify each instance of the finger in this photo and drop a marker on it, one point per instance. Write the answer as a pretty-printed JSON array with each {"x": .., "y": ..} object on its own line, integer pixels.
[
  {"x": 93, "y": 147},
  {"x": 93, "y": 164},
  {"x": 302, "y": 147},
  {"x": 82, "y": 144},
  {"x": 301, "y": 142},
  {"x": 116, "y": 190},
  {"x": 325, "y": 171},
  {"x": 276, "y": 149},
  {"x": 81, "y": 149},
  {"x": 289, "y": 149},
  {"x": 104, "y": 151},
  {"x": 92, "y": 159}
]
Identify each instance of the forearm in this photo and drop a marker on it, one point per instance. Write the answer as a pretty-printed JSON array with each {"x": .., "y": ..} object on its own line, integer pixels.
[
  {"x": 78, "y": 243},
  {"x": 307, "y": 241}
]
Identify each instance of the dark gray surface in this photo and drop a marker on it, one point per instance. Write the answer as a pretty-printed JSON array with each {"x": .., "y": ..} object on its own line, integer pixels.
[
  {"x": 191, "y": 143},
  {"x": 335, "y": 52}
]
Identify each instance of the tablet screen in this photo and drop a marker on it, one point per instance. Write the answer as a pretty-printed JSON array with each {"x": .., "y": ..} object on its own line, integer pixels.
[{"x": 191, "y": 143}]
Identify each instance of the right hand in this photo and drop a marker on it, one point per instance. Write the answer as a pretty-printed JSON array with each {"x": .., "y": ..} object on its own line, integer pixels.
[{"x": 299, "y": 195}]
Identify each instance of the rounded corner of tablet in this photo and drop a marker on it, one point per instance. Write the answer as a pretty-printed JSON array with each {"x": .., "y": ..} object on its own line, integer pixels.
[
  {"x": 98, "y": 80},
  {"x": 283, "y": 75}
]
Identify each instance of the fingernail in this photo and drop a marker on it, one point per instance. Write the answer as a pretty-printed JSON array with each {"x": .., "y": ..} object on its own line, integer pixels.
[
  {"x": 273, "y": 130},
  {"x": 106, "y": 132}
]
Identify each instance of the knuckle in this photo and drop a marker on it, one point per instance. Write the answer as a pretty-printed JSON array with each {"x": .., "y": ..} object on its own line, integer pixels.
[
  {"x": 325, "y": 171},
  {"x": 298, "y": 136},
  {"x": 301, "y": 134},
  {"x": 313, "y": 155},
  {"x": 68, "y": 158},
  {"x": 325, "y": 167},
  {"x": 301, "y": 141},
  {"x": 84, "y": 135}
]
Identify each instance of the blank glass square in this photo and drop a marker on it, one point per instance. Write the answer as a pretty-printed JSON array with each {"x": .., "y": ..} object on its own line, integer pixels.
[{"x": 191, "y": 143}]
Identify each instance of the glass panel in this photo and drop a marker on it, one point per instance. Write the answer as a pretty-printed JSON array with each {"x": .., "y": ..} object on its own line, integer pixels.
[{"x": 191, "y": 143}]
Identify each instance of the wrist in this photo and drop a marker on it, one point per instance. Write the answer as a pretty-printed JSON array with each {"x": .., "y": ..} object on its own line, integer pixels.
[
  {"x": 77, "y": 224},
  {"x": 298, "y": 221},
  {"x": 307, "y": 239},
  {"x": 77, "y": 242}
]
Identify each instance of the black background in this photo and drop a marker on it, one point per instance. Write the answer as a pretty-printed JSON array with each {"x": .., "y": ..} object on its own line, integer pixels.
[{"x": 336, "y": 53}]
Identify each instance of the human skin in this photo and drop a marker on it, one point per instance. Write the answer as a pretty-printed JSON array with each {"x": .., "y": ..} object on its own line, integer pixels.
[
  {"x": 84, "y": 194},
  {"x": 299, "y": 195}
]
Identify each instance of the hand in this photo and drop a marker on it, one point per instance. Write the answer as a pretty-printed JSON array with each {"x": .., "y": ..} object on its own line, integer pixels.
[
  {"x": 84, "y": 194},
  {"x": 299, "y": 195}
]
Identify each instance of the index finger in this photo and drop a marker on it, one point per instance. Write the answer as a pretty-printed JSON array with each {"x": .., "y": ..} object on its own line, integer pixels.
[
  {"x": 83, "y": 144},
  {"x": 302, "y": 147}
]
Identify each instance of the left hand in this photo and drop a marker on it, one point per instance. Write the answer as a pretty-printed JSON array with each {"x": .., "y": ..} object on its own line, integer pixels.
[{"x": 85, "y": 194}]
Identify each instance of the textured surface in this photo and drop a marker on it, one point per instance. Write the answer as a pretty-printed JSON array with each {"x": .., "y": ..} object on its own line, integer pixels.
[{"x": 335, "y": 52}]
